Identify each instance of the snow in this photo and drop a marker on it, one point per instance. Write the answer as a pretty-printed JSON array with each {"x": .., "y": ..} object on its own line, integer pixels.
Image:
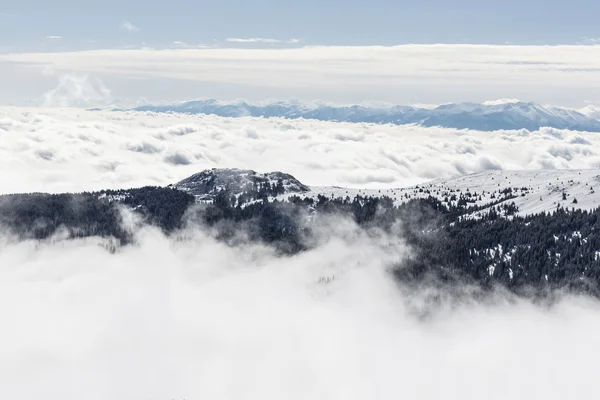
[
  {"x": 113, "y": 197},
  {"x": 543, "y": 190},
  {"x": 488, "y": 116},
  {"x": 207, "y": 184},
  {"x": 532, "y": 192}
]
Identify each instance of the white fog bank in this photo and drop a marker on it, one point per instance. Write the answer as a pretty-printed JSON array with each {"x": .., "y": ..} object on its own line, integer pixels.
[{"x": 196, "y": 319}]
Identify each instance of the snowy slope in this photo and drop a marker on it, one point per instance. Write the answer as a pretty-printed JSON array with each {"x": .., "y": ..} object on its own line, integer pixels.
[
  {"x": 480, "y": 116},
  {"x": 532, "y": 191},
  {"x": 535, "y": 191}
]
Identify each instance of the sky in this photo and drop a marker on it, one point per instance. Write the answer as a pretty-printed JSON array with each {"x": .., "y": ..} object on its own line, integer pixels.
[
  {"x": 184, "y": 318},
  {"x": 26, "y": 24},
  {"x": 243, "y": 30}
]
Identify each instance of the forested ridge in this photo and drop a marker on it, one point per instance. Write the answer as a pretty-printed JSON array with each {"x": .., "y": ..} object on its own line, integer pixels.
[{"x": 553, "y": 250}]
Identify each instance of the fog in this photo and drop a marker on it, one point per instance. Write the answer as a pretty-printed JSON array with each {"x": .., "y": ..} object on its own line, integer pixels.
[
  {"x": 189, "y": 317},
  {"x": 192, "y": 318}
]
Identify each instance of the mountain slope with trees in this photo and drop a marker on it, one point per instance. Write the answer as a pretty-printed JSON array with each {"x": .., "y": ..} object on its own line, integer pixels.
[{"x": 486, "y": 244}]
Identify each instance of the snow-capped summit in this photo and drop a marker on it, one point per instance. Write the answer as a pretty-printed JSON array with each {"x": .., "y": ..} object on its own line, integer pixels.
[
  {"x": 487, "y": 116},
  {"x": 508, "y": 115},
  {"x": 207, "y": 184},
  {"x": 533, "y": 192},
  {"x": 591, "y": 111}
]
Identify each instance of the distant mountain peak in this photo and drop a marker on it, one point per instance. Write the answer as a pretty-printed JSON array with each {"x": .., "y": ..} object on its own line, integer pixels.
[{"x": 487, "y": 116}]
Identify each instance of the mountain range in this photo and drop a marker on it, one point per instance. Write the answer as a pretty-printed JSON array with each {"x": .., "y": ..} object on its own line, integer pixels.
[{"x": 477, "y": 116}]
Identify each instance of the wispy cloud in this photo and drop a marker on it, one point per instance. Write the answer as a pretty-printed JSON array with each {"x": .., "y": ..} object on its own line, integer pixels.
[
  {"x": 54, "y": 37},
  {"x": 77, "y": 91},
  {"x": 398, "y": 74},
  {"x": 589, "y": 41},
  {"x": 129, "y": 27},
  {"x": 180, "y": 44},
  {"x": 261, "y": 40}
]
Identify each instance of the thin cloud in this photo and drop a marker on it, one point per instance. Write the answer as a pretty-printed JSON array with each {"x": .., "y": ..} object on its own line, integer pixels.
[
  {"x": 77, "y": 91},
  {"x": 397, "y": 74},
  {"x": 261, "y": 40},
  {"x": 129, "y": 27},
  {"x": 7, "y": 15},
  {"x": 54, "y": 37},
  {"x": 589, "y": 41}
]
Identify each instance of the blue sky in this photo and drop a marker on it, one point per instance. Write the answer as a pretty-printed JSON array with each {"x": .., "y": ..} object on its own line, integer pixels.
[
  {"x": 340, "y": 51},
  {"x": 25, "y": 25}
]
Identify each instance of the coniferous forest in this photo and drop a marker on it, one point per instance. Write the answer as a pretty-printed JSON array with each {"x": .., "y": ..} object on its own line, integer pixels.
[{"x": 558, "y": 250}]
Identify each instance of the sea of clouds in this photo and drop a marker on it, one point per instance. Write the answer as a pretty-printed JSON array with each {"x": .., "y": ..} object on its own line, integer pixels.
[
  {"x": 67, "y": 149},
  {"x": 193, "y": 319}
]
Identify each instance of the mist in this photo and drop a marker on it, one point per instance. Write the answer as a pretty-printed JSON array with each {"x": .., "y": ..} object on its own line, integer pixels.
[{"x": 189, "y": 317}]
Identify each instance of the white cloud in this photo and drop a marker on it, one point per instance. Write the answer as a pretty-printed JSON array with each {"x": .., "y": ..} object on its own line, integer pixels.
[
  {"x": 589, "y": 41},
  {"x": 176, "y": 319},
  {"x": 180, "y": 44},
  {"x": 399, "y": 74},
  {"x": 184, "y": 319},
  {"x": 54, "y": 37},
  {"x": 73, "y": 149},
  {"x": 129, "y": 27},
  {"x": 261, "y": 40},
  {"x": 77, "y": 91},
  {"x": 500, "y": 101}
]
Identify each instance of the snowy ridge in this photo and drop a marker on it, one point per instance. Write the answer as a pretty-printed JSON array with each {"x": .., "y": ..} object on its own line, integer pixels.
[
  {"x": 532, "y": 192},
  {"x": 488, "y": 116}
]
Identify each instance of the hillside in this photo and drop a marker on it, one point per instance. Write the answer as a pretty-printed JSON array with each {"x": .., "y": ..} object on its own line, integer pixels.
[
  {"x": 533, "y": 192},
  {"x": 521, "y": 230}
]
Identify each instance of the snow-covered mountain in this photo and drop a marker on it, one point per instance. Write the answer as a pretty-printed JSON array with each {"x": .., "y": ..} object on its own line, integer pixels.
[
  {"x": 207, "y": 184},
  {"x": 591, "y": 111},
  {"x": 533, "y": 192},
  {"x": 479, "y": 116}
]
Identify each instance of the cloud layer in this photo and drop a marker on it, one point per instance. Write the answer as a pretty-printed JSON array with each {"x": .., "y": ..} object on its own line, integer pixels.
[
  {"x": 73, "y": 150},
  {"x": 196, "y": 319},
  {"x": 563, "y": 75}
]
